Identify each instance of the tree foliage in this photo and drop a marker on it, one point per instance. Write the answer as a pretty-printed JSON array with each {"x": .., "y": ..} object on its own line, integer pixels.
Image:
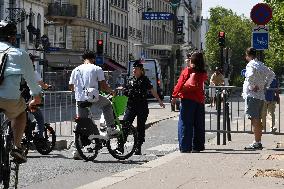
[
  {"x": 274, "y": 56},
  {"x": 238, "y": 38}
]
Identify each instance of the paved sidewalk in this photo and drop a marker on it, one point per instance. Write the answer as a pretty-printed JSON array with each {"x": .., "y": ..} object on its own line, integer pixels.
[{"x": 220, "y": 167}]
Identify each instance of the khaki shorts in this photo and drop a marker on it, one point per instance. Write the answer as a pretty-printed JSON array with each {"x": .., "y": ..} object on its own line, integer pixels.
[{"x": 12, "y": 108}]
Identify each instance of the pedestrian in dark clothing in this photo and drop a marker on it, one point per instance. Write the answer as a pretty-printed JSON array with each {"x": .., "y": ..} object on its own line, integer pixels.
[
  {"x": 137, "y": 105},
  {"x": 190, "y": 88}
]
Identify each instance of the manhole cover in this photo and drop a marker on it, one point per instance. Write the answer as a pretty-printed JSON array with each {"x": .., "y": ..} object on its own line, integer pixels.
[
  {"x": 276, "y": 157},
  {"x": 278, "y": 173}
]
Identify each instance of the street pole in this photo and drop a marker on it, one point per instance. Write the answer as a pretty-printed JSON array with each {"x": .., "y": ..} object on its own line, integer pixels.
[
  {"x": 222, "y": 58},
  {"x": 44, "y": 66},
  {"x": 173, "y": 58}
]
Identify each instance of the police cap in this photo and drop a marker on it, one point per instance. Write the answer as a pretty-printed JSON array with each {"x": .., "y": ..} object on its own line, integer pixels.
[{"x": 138, "y": 64}]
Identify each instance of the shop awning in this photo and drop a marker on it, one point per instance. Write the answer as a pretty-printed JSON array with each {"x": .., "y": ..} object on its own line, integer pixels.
[
  {"x": 64, "y": 60},
  {"x": 111, "y": 65}
]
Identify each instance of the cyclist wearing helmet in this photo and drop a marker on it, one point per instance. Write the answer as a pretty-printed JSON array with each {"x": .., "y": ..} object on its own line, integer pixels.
[{"x": 18, "y": 65}]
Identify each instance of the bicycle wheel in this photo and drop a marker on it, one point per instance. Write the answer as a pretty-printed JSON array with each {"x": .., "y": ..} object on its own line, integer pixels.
[
  {"x": 5, "y": 159},
  {"x": 123, "y": 146},
  {"x": 88, "y": 149},
  {"x": 14, "y": 174},
  {"x": 46, "y": 145},
  {"x": 7, "y": 147}
]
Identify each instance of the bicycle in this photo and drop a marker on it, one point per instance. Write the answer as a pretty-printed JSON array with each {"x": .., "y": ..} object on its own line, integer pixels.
[
  {"x": 89, "y": 140},
  {"x": 43, "y": 145},
  {"x": 8, "y": 165}
]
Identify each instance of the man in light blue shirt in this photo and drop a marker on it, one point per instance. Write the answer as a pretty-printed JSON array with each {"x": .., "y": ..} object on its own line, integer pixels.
[{"x": 18, "y": 65}]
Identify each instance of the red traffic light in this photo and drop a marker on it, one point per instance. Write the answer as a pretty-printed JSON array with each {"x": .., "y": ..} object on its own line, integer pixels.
[
  {"x": 221, "y": 39},
  {"x": 221, "y": 34},
  {"x": 100, "y": 42},
  {"x": 100, "y": 46}
]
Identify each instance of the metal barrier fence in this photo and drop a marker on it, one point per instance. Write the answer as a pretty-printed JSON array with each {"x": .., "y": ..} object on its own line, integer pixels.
[
  {"x": 230, "y": 113},
  {"x": 60, "y": 109}
]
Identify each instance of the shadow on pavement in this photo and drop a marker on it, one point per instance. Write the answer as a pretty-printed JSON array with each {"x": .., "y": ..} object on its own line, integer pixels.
[
  {"x": 230, "y": 151},
  {"x": 138, "y": 162},
  {"x": 48, "y": 156}
]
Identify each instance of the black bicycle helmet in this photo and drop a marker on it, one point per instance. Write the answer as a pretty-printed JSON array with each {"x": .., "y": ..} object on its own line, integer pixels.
[{"x": 7, "y": 29}]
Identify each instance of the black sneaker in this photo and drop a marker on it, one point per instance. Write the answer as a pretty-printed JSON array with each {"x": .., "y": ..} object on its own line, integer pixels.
[
  {"x": 254, "y": 146},
  {"x": 19, "y": 155}
]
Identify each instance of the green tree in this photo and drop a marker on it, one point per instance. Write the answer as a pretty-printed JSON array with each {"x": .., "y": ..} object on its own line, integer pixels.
[
  {"x": 238, "y": 38},
  {"x": 274, "y": 56}
]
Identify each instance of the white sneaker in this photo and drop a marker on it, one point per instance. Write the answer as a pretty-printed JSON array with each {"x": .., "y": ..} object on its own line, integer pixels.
[
  {"x": 112, "y": 131},
  {"x": 76, "y": 155}
]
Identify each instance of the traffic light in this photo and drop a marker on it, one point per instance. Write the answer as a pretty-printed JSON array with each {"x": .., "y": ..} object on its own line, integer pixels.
[
  {"x": 100, "y": 47},
  {"x": 221, "y": 39}
]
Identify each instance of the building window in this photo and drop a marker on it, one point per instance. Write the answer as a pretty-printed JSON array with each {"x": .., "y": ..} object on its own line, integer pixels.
[
  {"x": 31, "y": 37},
  {"x": 23, "y": 31}
]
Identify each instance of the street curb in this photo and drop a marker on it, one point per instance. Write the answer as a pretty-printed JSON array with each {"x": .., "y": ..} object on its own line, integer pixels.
[
  {"x": 124, "y": 175},
  {"x": 66, "y": 144},
  {"x": 121, "y": 176}
]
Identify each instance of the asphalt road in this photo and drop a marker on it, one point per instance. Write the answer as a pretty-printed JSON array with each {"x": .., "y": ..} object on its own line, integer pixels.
[{"x": 59, "y": 170}]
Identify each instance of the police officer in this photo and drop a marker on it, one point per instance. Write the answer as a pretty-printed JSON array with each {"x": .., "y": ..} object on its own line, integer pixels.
[{"x": 137, "y": 105}]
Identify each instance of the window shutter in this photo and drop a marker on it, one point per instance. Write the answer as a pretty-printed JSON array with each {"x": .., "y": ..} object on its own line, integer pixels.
[{"x": 68, "y": 37}]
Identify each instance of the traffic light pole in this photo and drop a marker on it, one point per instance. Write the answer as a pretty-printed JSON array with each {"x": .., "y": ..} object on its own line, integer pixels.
[{"x": 222, "y": 58}]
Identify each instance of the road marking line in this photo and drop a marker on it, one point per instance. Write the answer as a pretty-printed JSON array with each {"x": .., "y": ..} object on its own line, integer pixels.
[{"x": 118, "y": 177}]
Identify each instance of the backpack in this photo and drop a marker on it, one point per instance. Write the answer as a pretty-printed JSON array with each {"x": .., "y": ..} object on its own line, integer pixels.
[{"x": 3, "y": 60}]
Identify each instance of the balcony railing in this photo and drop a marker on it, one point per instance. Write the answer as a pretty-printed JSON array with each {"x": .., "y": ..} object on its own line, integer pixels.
[{"x": 55, "y": 9}]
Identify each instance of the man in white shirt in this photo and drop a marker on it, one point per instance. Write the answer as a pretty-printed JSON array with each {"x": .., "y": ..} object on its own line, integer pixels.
[
  {"x": 258, "y": 77},
  {"x": 88, "y": 75}
]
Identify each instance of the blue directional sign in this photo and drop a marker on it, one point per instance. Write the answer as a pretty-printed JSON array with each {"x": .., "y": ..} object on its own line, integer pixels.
[
  {"x": 99, "y": 60},
  {"x": 260, "y": 38},
  {"x": 260, "y": 41},
  {"x": 157, "y": 16},
  {"x": 53, "y": 49}
]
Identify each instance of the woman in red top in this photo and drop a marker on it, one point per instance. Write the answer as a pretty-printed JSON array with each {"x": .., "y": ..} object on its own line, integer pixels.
[{"x": 190, "y": 88}]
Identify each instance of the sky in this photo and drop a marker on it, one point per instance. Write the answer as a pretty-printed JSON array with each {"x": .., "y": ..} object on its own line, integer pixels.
[{"x": 238, "y": 6}]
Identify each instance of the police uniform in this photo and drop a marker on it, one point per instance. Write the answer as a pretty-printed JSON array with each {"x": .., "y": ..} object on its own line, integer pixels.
[{"x": 137, "y": 105}]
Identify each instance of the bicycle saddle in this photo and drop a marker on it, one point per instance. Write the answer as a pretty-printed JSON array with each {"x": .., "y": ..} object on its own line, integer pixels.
[
  {"x": 85, "y": 104},
  {"x": 1, "y": 110}
]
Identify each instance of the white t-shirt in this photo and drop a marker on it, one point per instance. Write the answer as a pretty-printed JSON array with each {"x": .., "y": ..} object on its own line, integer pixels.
[{"x": 85, "y": 76}]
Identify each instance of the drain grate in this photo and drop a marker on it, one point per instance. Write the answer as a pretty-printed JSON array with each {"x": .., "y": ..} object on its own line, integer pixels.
[
  {"x": 278, "y": 173},
  {"x": 276, "y": 157}
]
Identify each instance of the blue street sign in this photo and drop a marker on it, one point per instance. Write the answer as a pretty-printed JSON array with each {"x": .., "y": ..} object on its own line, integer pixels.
[
  {"x": 52, "y": 49},
  {"x": 260, "y": 41},
  {"x": 157, "y": 16},
  {"x": 243, "y": 72},
  {"x": 99, "y": 60}
]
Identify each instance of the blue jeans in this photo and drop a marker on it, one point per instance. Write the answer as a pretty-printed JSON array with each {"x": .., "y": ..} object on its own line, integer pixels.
[
  {"x": 191, "y": 126},
  {"x": 39, "y": 120}
]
